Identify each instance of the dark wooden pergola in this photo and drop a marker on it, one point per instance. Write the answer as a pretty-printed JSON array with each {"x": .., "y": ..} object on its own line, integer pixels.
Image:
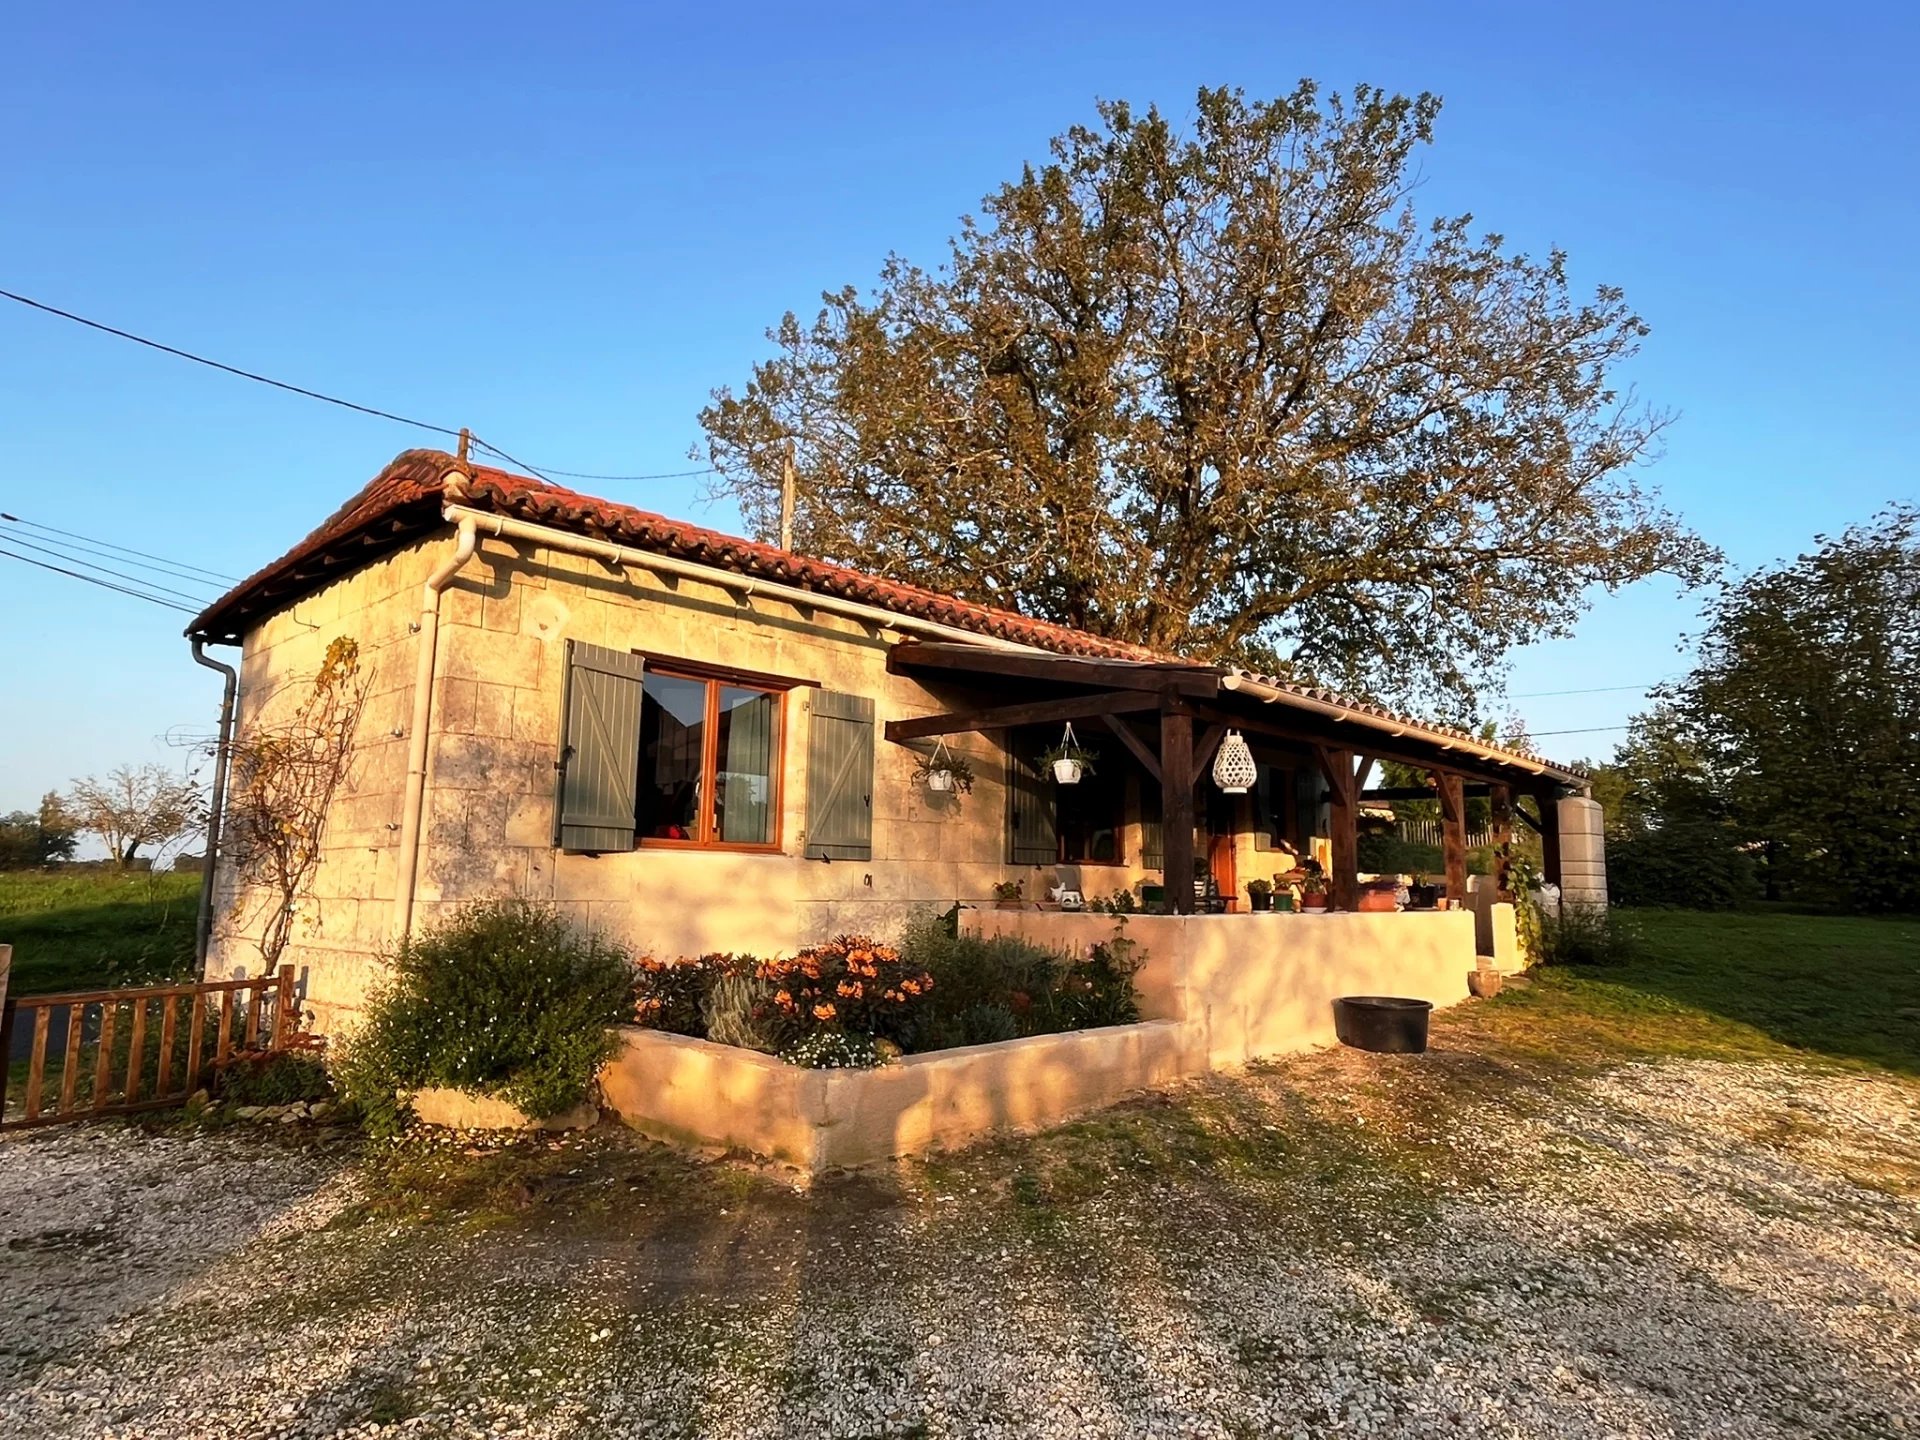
[{"x": 1196, "y": 705}]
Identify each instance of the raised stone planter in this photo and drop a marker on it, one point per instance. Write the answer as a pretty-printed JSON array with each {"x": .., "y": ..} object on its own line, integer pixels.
[
  {"x": 694, "y": 1092},
  {"x": 457, "y": 1110}
]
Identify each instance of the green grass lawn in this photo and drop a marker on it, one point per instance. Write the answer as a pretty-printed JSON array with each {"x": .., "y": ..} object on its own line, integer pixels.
[
  {"x": 84, "y": 929},
  {"x": 1741, "y": 985}
]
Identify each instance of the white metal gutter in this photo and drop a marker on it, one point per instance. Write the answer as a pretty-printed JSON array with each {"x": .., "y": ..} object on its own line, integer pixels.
[
  {"x": 1279, "y": 695},
  {"x": 414, "y": 799}
]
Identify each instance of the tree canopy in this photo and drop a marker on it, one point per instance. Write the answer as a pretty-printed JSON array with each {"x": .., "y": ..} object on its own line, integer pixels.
[
  {"x": 1795, "y": 740},
  {"x": 137, "y": 805},
  {"x": 1225, "y": 393}
]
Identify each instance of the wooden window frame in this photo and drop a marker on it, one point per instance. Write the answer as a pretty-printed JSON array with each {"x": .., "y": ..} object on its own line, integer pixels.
[{"x": 713, "y": 677}]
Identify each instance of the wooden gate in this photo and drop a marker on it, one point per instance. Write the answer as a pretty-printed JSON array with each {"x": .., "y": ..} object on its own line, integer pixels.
[{"x": 167, "y": 1054}]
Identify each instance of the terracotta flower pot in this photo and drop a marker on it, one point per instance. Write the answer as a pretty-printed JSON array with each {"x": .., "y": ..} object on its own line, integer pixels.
[{"x": 1313, "y": 902}]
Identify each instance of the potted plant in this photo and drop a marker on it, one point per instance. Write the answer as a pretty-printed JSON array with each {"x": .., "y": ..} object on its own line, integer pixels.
[
  {"x": 943, "y": 772},
  {"x": 1069, "y": 760},
  {"x": 1313, "y": 892},
  {"x": 1260, "y": 894},
  {"x": 1422, "y": 894},
  {"x": 1006, "y": 894}
]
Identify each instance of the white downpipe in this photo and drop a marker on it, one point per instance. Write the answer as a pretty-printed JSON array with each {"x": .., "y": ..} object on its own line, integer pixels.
[
  {"x": 744, "y": 585},
  {"x": 418, "y": 732},
  {"x": 1273, "y": 694}
]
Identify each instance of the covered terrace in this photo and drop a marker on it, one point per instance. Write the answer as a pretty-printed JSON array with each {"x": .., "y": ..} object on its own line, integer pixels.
[{"x": 1167, "y": 720}]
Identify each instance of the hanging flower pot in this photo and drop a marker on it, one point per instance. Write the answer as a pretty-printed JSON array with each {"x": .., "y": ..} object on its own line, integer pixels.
[
  {"x": 1069, "y": 760},
  {"x": 1233, "y": 768},
  {"x": 943, "y": 772}
]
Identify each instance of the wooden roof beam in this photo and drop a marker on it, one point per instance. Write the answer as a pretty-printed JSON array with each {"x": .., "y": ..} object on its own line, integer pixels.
[{"x": 1037, "y": 712}]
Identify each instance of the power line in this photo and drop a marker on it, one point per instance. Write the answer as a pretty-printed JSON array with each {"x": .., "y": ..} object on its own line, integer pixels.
[
  {"x": 1596, "y": 690},
  {"x": 104, "y": 584},
  {"x": 229, "y": 369},
  {"x": 139, "y": 580},
  {"x": 324, "y": 398},
  {"x": 89, "y": 550},
  {"x": 1583, "y": 730},
  {"x": 123, "y": 549},
  {"x": 666, "y": 475}
]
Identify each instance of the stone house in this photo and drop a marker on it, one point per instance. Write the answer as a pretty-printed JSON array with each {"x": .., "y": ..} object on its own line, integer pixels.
[{"x": 696, "y": 742}]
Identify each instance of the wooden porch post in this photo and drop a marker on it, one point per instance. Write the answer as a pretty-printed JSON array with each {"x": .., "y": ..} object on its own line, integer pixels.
[
  {"x": 1501, "y": 797},
  {"x": 1344, "y": 822},
  {"x": 1549, "y": 835},
  {"x": 1176, "y": 807},
  {"x": 1453, "y": 833}
]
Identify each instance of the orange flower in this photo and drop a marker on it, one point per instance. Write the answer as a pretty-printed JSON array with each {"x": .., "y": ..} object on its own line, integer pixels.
[{"x": 823, "y": 1012}]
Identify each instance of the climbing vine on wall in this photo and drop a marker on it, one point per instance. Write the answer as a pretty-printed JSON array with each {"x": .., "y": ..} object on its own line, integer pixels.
[{"x": 282, "y": 779}]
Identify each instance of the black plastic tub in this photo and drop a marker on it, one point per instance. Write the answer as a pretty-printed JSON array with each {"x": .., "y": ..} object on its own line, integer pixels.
[{"x": 1388, "y": 1024}]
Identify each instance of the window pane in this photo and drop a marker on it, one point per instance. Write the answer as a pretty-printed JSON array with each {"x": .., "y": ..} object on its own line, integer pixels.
[
  {"x": 743, "y": 794},
  {"x": 673, "y": 723},
  {"x": 1090, "y": 814}
]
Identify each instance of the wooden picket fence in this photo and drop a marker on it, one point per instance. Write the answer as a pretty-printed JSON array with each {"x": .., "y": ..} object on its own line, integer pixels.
[{"x": 248, "y": 1018}]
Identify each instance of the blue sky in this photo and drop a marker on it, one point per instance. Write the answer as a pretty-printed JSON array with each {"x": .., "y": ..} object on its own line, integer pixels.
[{"x": 564, "y": 227}]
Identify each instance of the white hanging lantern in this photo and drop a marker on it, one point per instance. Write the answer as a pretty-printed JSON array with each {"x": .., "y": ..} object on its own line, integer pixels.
[{"x": 1233, "y": 768}]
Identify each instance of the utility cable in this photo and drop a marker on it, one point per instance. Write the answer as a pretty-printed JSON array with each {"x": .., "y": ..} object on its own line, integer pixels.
[
  {"x": 139, "y": 580},
  {"x": 321, "y": 396},
  {"x": 104, "y": 584},
  {"x": 123, "y": 549}
]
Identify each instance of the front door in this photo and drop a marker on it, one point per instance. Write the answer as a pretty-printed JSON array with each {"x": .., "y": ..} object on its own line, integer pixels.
[{"x": 1220, "y": 824}]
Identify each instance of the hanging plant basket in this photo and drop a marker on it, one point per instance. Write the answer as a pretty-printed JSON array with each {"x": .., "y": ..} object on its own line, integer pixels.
[
  {"x": 943, "y": 772},
  {"x": 1070, "y": 761}
]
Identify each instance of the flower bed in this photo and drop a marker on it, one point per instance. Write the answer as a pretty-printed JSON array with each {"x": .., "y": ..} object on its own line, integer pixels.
[{"x": 856, "y": 1003}]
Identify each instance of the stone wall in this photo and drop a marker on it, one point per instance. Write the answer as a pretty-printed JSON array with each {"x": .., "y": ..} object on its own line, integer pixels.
[
  {"x": 1254, "y": 985},
  {"x": 1216, "y": 991},
  {"x": 349, "y": 915},
  {"x": 488, "y": 819}
]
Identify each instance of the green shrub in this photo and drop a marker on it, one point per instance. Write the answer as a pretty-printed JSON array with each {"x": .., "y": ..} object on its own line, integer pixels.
[
  {"x": 281, "y": 1078},
  {"x": 1099, "y": 990},
  {"x": 1691, "y": 864},
  {"x": 505, "y": 998},
  {"x": 979, "y": 979},
  {"x": 976, "y": 1025},
  {"x": 1588, "y": 935},
  {"x": 671, "y": 995}
]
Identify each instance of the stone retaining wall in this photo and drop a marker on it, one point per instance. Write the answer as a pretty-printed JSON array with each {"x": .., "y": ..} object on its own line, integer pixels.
[{"x": 1215, "y": 992}]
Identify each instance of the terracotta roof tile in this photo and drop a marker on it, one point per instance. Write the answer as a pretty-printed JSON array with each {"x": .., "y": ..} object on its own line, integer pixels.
[{"x": 403, "y": 502}]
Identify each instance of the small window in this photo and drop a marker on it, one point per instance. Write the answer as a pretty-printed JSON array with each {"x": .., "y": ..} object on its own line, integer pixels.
[
  {"x": 1082, "y": 824},
  {"x": 709, "y": 762}
]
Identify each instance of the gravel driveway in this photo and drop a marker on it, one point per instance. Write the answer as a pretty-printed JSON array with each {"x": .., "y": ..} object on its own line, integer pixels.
[{"x": 1344, "y": 1245}]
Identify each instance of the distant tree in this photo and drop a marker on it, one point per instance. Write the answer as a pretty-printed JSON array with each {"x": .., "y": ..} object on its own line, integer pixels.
[
  {"x": 1225, "y": 393},
  {"x": 59, "y": 832},
  {"x": 30, "y": 838},
  {"x": 1671, "y": 835},
  {"x": 135, "y": 806},
  {"x": 1804, "y": 711}
]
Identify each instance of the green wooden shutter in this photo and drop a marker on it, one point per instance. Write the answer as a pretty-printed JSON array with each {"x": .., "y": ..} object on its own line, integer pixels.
[
  {"x": 599, "y": 749},
  {"x": 840, "y": 777},
  {"x": 1031, "y": 836}
]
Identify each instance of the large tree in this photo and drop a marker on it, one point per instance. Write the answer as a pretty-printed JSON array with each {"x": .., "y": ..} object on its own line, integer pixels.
[
  {"x": 1804, "y": 709},
  {"x": 137, "y": 805},
  {"x": 1225, "y": 392}
]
